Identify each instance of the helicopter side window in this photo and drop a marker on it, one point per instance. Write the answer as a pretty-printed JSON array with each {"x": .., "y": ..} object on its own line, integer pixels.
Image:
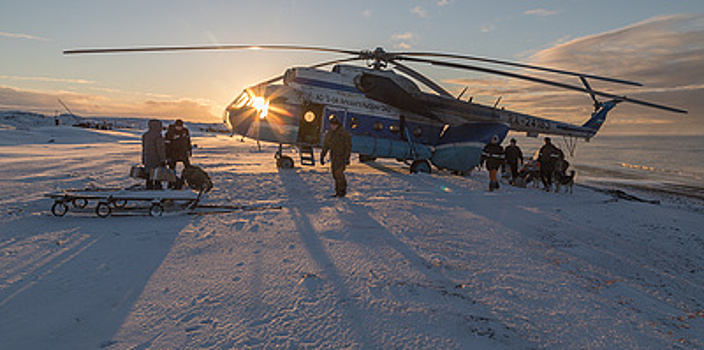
[
  {"x": 394, "y": 128},
  {"x": 378, "y": 126}
]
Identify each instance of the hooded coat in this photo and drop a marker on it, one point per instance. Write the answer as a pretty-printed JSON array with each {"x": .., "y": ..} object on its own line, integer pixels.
[{"x": 153, "y": 147}]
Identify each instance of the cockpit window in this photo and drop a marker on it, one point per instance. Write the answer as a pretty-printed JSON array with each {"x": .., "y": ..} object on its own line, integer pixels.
[{"x": 241, "y": 101}]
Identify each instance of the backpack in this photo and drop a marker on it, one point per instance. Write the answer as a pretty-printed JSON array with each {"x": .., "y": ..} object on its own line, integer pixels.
[{"x": 197, "y": 178}]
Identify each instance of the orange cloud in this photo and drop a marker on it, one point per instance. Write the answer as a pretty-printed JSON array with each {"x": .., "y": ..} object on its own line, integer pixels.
[
  {"x": 98, "y": 105},
  {"x": 665, "y": 53}
]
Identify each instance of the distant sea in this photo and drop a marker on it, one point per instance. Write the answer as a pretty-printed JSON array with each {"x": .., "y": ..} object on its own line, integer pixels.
[{"x": 667, "y": 163}]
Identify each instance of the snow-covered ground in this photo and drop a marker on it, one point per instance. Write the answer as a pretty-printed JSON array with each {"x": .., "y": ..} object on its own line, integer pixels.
[{"x": 405, "y": 261}]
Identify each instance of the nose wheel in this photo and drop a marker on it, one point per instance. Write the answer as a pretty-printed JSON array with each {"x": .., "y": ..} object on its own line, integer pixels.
[
  {"x": 284, "y": 162},
  {"x": 420, "y": 166}
]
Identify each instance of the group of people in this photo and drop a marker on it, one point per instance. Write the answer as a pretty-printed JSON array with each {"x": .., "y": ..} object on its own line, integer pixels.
[
  {"x": 175, "y": 146},
  {"x": 337, "y": 142},
  {"x": 167, "y": 150},
  {"x": 495, "y": 157}
]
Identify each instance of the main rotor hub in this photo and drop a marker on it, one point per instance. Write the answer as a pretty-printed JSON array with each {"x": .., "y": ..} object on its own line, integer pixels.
[{"x": 379, "y": 58}]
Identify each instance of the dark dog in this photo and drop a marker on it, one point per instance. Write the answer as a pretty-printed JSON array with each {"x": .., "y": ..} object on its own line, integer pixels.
[
  {"x": 560, "y": 178},
  {"x": 529, "y": 173}
]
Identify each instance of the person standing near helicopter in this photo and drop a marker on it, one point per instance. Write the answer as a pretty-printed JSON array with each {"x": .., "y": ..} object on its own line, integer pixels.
[
  {"x": 493, "y": 157},
  {"x": 178, "y": 144},
  {"x": 339, "y": 143},
  {"x": 153, "y": 152}
]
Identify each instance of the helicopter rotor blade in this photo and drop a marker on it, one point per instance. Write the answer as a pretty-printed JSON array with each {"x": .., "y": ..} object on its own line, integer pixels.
[
  {"x": 516, "y": 64},
  {"x": 413, "y": 73},
  {"x": 539, "y": 80},
  {"x": 208, "y": 47}
]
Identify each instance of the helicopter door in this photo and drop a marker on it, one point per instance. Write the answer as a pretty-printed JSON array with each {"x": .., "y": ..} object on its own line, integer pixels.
[{"x": 310, "y": 124}]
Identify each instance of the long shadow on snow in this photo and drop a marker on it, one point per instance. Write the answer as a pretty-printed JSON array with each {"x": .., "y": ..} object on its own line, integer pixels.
[
  {"x": 478, "y": 325},
  {"x": 85, "y": 273},
  {"x": 293, "y": 183}
]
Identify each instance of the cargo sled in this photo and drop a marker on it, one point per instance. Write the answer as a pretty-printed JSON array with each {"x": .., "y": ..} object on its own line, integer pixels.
[{"x": 110, "y": 200}]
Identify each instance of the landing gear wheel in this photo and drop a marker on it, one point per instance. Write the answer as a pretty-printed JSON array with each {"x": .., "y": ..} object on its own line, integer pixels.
[
  {"x": 103, "y": 210},
  {"x": 79, "y": 203},
  {"x": 119, "y": 203},
  {"x": 284, "y": 162},
  {"x": 59, "y": 209},
  {"x": 156, "y": 209},
  {"x": 363, "y": 158},
  {"x": 420, "y": 166}
]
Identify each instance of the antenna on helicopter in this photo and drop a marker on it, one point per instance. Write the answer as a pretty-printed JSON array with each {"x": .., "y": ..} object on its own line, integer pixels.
[
  {"x": 497, "y": 102},
  {"x": 459, "y": 97}
]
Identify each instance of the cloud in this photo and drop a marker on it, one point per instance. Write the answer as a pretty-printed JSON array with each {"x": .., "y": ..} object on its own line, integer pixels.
[
  {"x": 404, "y": 40},
  {"x": 12, "y": 98},
  {"x": 664, "y": 53},
  {"x": 47, "y": 79},
  {"x": 367, "y": 13},
  {"x": 22, "y": 36},
  {"x": 486, "y": 28},
  {"x": 419, "y": 11},
  {"x": 443, "y": 3},
  {"x": 403, "y": 36},
  {"x": 540, "y": 12}
]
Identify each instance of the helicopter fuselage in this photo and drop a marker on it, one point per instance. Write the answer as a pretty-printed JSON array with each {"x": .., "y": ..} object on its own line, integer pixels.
[{"x": 386, "y": 114}]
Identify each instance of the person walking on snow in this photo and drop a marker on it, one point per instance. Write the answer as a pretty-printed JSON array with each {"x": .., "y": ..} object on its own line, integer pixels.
[
  {"x": 338, "y": 141},
  {"x": 548, "y": 157},
  {"x": 493, "y": 158},
  {"x": 513, "y": 157},
  {"x": 153, "y": 151}
]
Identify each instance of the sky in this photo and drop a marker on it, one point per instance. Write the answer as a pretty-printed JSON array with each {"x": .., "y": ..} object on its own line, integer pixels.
[{"x": 657, "y": 43}]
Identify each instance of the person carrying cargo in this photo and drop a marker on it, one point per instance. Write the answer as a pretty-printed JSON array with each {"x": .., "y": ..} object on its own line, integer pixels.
[{"x": 153, "y": 151}]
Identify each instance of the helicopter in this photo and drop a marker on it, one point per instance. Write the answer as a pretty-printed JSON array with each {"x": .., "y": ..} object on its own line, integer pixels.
[{"x": 386, "y": 112}]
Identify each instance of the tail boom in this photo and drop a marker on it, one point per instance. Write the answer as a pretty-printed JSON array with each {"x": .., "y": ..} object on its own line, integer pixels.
[{"x": 534, "y": 126}]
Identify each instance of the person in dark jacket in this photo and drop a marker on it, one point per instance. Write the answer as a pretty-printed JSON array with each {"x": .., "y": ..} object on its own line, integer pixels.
[
  {"x": 178, "y": 144},
  {"x": 153, "y": 151},
  {"x": 493, "y": 158},
  {"x": 339, "y": 143},
  {"x": 548, "y": 156},
  {"x": 513, "y": 157}
]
